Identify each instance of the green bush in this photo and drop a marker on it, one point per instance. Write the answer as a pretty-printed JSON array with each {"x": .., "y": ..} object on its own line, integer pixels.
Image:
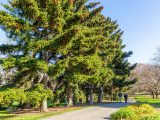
[
  {"x": 10, "y": 97},
  {"x": 136, "y": 112},
  {"x": 146, "y": 109},
  {"x": 14, "y": 97},
  {"x": 142, "y": 109},
  {"x": 151, "y": 117},
  {"x": 36, "y": 95},
  {"x": 124, "y": 114},
  {"x": 133, "y": 107}
]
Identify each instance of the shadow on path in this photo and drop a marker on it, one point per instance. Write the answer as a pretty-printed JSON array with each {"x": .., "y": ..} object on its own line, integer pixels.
[
  {"x": 114, "y": 105},
  {"x": 106, "y": 118},
  {"x": 97, "y": 112}
]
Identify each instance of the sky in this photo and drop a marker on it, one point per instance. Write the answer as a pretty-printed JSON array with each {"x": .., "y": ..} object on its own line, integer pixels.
[{"x": 140, "y": 21}]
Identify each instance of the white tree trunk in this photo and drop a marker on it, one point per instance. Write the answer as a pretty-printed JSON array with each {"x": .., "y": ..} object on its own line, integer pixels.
[
  {"x": 69, "y": 95},
  {"x": 44, "y": 107}
]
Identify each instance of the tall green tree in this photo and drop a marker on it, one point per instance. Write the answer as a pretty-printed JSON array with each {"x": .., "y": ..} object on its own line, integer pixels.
[
  {"x": 122, "y": 69},
  {"x": 107, "y": 47},
  {"x": 43, "y": 32},
  {"x": 60, "y": 43}
]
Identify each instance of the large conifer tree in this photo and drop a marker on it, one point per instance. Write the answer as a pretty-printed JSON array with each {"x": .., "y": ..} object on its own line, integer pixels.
[
  {"x": 42, "y": 32},
  {"x": 122, "y": 69},
  {"x": 59, "y": 40}
]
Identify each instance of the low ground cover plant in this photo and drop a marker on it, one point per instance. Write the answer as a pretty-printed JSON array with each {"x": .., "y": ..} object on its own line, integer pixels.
[
  {"x": 124, "y": 114},
  {"x": 136, "y": 112}
]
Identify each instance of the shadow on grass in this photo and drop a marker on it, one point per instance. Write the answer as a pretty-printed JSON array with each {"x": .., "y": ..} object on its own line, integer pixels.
[
  {"x": 141, "y": 99},
  {"x": 7, "y": 117}
]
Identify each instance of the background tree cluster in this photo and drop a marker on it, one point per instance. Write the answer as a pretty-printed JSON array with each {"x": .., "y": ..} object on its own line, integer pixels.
[
  {"x": 148, "y": 77},
  {"x": 66, "y": 45}
]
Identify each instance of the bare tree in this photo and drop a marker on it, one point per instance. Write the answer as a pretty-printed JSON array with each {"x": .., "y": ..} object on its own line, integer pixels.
[{"x": 148, "y": 80}]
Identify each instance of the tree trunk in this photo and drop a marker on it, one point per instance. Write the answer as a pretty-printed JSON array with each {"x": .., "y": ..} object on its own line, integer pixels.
[
  {"x": 153, "y": 96},
  {"x": 44, "y": 107},
  {"x": 111, "y": 98},
  {"x": 87, "y": 100},
  {"x": 100, "y": 95},
  {"x": 28, "y": 105},
  {"x": 45, "y": 78},
  {"x": 69, "y": 95},
  {"x": 156, "y": 96},
  {"x": 91, "y": 97}
]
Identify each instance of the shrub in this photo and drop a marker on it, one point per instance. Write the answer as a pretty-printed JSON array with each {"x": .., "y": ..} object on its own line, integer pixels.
[
  {"x": 142, "y": 109},
  {"x": 151, "y": 117},
  {"x": 136, "y": 112},
  {"x": 10, "y": 97},
  {"x": 146, "y": 109},
  {"x": 13, "y": 97},
  {"x": 124, "y": 114},
  {"x": 134, "y": 108},
  {"x": 37, "y": 94}
]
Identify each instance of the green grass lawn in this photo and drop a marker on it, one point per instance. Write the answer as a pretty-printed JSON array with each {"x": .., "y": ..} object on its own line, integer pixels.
[
  {"x": 4, "y": 114},
  {"x": 147, "y": 99},
  {"x": 33, "y": 116}
]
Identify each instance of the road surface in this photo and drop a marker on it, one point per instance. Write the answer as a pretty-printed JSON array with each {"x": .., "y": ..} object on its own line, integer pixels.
[{"x": 99, "y": 112}]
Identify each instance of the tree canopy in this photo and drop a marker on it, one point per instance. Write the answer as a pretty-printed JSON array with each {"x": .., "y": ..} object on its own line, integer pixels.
[{"x": 61, "y": 43}]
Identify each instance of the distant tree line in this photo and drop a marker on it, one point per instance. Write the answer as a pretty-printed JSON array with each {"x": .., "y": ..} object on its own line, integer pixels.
[{"x": 148, "y": 76}]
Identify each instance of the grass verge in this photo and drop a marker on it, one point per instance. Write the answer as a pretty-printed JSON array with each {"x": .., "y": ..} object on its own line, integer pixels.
[
  {"x": 148, "y": 99},
  {"x": 34, "y": 116}
]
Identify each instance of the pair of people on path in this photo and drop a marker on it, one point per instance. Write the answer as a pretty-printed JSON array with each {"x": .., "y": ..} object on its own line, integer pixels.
[{"x": 125, "y": 97}]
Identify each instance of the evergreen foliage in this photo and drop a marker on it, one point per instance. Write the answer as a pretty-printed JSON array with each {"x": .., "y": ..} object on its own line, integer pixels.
[
  {"x": 122, "y": 70},
  {"x": 36, "y": 95},
  {"x": 9, "y": 96},
  {"x": 66, "y": 45},
  {"x": 33, "y": 96}
]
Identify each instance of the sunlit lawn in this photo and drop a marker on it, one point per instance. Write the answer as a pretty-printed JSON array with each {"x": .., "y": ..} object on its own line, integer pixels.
[
  {"x": 5, "y": 114},
  {"x": 148, "y": 99},
  {"x": 33, "y": 116}
]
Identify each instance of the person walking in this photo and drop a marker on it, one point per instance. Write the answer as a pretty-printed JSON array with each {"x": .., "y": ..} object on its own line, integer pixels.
[
  {"x": 120, "y": 97},
  {"x": 126, "y": 97}
]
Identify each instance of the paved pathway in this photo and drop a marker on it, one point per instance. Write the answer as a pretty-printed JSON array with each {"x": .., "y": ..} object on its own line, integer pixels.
[{"x": 100, "y": 112}]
